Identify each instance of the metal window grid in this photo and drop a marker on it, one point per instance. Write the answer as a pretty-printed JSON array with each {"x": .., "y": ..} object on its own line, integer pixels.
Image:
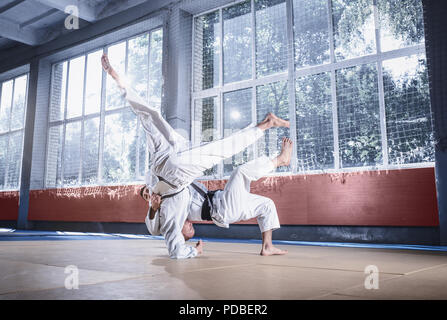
[
  {"x": 10, "y": 132},
  {"x": 101, "y": 114},
  {"x": 292, "y": 74}
]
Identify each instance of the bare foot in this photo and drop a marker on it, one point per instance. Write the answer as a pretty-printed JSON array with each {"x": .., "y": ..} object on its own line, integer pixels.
[
  {"x": 106, "y": 64},
  {"x": 272, "y": 120},
  {"x": 286, "y": 153},
  {"x": 271, "y": 251},
  {"x": 108, "y": 68}
]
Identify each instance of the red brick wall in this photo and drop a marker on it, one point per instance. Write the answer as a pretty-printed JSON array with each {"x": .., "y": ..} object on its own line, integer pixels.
[{"x": 375, "y": 198}]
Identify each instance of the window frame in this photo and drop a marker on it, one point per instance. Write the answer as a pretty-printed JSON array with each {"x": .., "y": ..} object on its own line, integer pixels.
[
  {"x": 8, "y": 77},
  {"x": 292, "y": 73},
  {"x": 103, "y": 112}
]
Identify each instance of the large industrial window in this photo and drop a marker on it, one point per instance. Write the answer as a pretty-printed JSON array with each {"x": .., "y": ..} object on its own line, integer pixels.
[
  {"x": 12, "y": 122},
  {"x": 350, "y": 75},
  {"x": 94, "y": 137}
]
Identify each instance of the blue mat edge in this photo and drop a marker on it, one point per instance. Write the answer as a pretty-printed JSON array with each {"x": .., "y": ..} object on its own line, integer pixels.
[{"x": 33, "y": 235}]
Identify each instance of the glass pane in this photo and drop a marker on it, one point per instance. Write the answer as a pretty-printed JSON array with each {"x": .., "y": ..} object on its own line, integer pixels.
[
  {"x": 54, "y": 156},
  {"x": 273, "y": 97},
  {"x": 93, "y": 83},
  {"x": 72, "y": 150},
  {"x": 143, "y": 155},
  {"x": 314, "y": 135},
  {"x": 237, "y": 42},
  {"x": 206, "y": 51},
  {"x": 206, "y": 124},
  {"x": 18, "y": 108},
  {"x": 59, "y": 87},
  {"x": 354, "y": 30},
  {"x": 401, "y": 23},
  {"x": 237, "y": 115},
  {"x": 311, "y": 29},
  {"x": 120, "y": 139},
  {"x": 75, "y": 87},
  {"x": 90, "y": 152},
  {"x": 117, "y": 58},
  {"x": 14, "y": 160},
  {"x": 3, "y": 155},
  {"x": 271, "y": 36},
  {"x": 408, "y": 114},
  {"x": 155, "y": 68},
  {"x": 5, "y": 105},
  {"x": 137, "y": 69},
  {"x": 358, "y": 116},
  {"x": 206, "y": 119}
]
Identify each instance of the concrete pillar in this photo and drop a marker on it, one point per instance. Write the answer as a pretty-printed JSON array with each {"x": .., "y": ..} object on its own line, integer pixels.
[
  {"x": 435, "y": 25},
  {"x": 441, "y": 190},
  {"x": 22, "y": 221},
  {"x": 177, "y": 106}
]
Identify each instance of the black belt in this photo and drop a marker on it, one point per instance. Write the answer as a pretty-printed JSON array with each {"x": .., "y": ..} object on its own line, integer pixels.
[
  {"x": 171, "y": 195},
  {"x": 167, "y": 182},
  {"x": 207, "y": 203},
  {"x": 171, "y": 185}
]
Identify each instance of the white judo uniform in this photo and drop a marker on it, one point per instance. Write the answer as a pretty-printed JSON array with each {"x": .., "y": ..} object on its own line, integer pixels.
[
  {"x": 172, "y": 158},
  {"x": 233, "y": 204},
  {"x": 178, "y": 165}
]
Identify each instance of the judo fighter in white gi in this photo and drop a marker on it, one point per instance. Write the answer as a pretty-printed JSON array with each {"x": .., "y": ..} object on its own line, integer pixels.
[{"x": 175, "y": 199}]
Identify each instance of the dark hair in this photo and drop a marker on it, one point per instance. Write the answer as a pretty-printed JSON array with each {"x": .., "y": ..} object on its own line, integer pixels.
[{"x": 141, "y": 191}]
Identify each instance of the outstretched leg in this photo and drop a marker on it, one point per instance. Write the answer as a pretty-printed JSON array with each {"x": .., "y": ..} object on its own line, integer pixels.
[
  {"x": 238, "y": 204},
  {"x": 190, "y": 164},
  {"x": 157, "y": 128}
]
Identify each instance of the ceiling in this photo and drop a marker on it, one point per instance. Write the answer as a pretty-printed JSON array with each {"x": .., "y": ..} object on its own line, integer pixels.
[{"x": 28, "y": 23}]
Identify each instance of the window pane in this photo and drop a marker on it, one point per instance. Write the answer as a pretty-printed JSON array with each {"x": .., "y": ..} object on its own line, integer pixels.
[
  {"x": 3, "y": 155},
  {"x": 59, "y": 86},
  {"x": 315, "y": 139},
  {"x": 354, "y": 30},
  {"x": 358, "y": 116},
  {"x": 155, "y": 68},
  {"x": 271, "y": 36},
  {"x": 72, "y": 151},
  {"x": 311, "y": 29},
  {"x": 120, "y": 139},
  {"x": 408, "y": 114},
  {"x": 14, "y": 160},
  {"x": 117, "y": 58},
  {"x": 75, "y": 87},
  {"x": 401, "y": 23},
  {"x": 206, "y": 123},
  {"x": 18, "y": 108},
  {"x": 237, "y": 115},
  {"x": 274, "y": 98},
  {"x": 206, "y": 119},
  {"x": 93, "y": 83},
  {"x": 206, "y": 51},
  {"x": 237, "y": 42},
  {"x": 5, "y": 106},
  {"x": 54, "y": 156},
  {"x": 137, "y": 70},
  {"x": 143, "y": 155},
  {"x": 90, "y": 152}
]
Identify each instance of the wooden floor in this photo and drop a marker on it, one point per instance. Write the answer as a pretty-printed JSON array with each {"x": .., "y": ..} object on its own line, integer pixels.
[{"x": 140, "y": 269}]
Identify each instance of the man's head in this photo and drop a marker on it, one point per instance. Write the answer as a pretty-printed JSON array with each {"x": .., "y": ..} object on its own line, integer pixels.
[{"x": 188, "y": 230}]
